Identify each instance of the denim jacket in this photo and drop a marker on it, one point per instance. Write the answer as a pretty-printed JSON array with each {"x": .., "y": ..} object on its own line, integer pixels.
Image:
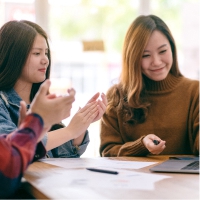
[{"x": 9, "y": 114}]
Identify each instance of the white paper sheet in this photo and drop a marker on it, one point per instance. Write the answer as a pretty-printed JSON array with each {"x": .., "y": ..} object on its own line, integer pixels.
[
  {"x": 72, "y": 163},
  {"x": 79, "y": 178}
]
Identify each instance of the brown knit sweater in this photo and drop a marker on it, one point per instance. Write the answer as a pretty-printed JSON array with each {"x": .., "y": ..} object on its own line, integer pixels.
[{"x": 173, "y": 116}]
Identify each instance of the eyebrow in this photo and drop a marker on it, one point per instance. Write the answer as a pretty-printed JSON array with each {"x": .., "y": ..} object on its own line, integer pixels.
[
  {"x": 39, "y": 48},
  {"x": 158, "y": 47}
]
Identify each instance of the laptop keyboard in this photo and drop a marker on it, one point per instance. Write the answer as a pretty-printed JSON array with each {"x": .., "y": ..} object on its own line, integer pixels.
[{"x": 193, "y": 166}]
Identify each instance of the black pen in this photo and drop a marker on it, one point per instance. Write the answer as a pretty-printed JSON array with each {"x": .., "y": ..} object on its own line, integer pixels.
[
  {"x": 156, "y": 142},
  {"x": 102, "y": 171}
]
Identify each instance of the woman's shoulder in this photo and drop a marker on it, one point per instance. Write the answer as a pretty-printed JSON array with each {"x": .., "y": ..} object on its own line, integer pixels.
[
  {"x": 190, "y": 87},
  {"x": 4, "y": 100},
  {"x": 192, "y": 83},
  {"x": 4, "y": 113},
  {"x": 190, "y": 80},
  {"x": 8, "y": 97},
  {"x": 3, "y": 104}
]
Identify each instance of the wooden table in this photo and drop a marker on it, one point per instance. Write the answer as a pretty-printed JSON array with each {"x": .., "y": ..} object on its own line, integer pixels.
[{"x": 177, "y": 186}]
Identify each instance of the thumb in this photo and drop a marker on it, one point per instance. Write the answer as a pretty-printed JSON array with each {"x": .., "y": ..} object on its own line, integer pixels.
[{"x": 44, "y": 88}]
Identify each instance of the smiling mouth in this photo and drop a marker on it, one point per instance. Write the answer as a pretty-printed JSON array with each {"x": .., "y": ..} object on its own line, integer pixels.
[{"x": 157, "y": 70}]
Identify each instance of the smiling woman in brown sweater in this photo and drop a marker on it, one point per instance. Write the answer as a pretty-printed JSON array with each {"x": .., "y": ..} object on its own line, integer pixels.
[{"x": 153, "y": 100}]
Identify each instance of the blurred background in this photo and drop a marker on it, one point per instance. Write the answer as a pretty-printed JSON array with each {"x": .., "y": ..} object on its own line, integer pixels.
[{"x": 86, "y": 39}]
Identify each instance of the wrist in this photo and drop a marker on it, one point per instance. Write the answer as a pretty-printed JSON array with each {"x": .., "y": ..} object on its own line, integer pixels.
[{"x": 77, "y": 141}]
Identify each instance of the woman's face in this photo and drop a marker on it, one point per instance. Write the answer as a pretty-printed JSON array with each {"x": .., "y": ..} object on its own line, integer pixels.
[
  {"x": 36, "y": 65},
  {"x": 157, "y": 57}
]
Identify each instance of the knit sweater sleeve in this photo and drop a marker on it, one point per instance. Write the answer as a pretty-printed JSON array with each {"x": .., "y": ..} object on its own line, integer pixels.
[
  {"x": 194, "y": 123},
  {"x": 112, "y": 135},
  {"x": 16, "y": 152}
]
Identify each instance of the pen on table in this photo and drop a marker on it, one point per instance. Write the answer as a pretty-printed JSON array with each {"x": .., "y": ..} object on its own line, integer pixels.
[
  {"x": 156, "y": 142},
  {"x": 102, "y": 171}
]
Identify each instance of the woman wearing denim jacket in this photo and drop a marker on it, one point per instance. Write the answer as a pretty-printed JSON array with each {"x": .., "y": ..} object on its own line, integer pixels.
[{"x": 25, "y": 63}]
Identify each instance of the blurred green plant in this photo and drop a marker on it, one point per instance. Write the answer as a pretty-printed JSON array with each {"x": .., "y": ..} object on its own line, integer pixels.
[{"x": 108, "y": 20}]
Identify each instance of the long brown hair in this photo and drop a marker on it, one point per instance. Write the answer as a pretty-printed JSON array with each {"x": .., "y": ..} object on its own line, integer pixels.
[{"x": 131, "y": 85}]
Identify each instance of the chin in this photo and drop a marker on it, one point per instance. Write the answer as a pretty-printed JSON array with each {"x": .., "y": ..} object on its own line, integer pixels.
[
  {"x": 41, "y": 79},
  {"x": 158, "y": 78}
]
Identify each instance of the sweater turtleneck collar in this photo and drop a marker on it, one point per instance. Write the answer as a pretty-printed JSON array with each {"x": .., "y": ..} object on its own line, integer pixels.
[{"x": 165, "y": 85}]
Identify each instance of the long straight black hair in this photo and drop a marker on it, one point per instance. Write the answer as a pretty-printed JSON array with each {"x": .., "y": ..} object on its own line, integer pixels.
[{"x": 16, "y": 41}]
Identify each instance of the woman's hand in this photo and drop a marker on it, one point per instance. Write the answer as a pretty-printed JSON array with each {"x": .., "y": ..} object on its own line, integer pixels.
[
  {"x": 82, "y": 119},
  {"x": 151, "y": 146},
  {"x": 91, "y": 112},
  {"x": 101, "y": 106},
  {"x": 52, "y": 109}
]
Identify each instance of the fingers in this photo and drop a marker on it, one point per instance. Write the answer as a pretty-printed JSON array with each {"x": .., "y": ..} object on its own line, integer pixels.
[
  {"x": 102, "y": 103},
  {"x": 71, "y": 96},
  {"x": 44, "y": 88},
  {"x": 87, "y": 106},
  {"x": 88, "y": 112},
  {"x": 101, "y": 111},
  {"x": 102, "y": 106},
  {"x": 104, "y": 99},
  {"x": 91, "y": 114},
  {"x": 154, "y": 148},
  {"x": 51, "y": 96},
  {"x": 68, "y": 100},
  {"x": 94, "y": 98},
  {"x": 71, "y": 92},
  {"x": 157, "y": 149}
]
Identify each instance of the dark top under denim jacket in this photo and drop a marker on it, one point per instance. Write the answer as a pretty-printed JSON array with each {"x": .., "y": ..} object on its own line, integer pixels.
[{"x": 9, "y": 114}]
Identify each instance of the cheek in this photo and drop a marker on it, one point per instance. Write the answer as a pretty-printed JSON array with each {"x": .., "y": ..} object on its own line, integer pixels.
[
  {"x": 169, "y": 57},
  {"x": 25, "y": 73},
  {"x": 25, "y": 69},
  {"x": 144, "y": 64}
]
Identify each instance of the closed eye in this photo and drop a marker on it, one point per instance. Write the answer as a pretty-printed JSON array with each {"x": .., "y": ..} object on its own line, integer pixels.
[
  {"x": 163, "y": 51},
  {"x": 36, "y": 53},
  {"x": 145, "y": 56}
]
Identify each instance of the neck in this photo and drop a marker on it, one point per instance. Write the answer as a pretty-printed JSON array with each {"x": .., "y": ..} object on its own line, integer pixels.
[
  {"x": 23, "y": 89},
  {"x": 164, "y": 85}
]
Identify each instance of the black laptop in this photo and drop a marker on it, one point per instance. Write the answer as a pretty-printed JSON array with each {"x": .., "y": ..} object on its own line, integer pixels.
[{"x": 178, "y": 165}]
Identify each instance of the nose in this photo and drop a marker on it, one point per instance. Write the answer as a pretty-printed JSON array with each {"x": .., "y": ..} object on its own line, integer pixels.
[
  {"x": 156, "y": 61},
  {"x": 45, "y": 60}
]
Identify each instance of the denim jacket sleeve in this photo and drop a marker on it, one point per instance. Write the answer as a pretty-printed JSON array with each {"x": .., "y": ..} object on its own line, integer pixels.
[
  {"x": 6, "y": 124},
  {"x": 68, "y": 150}
]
